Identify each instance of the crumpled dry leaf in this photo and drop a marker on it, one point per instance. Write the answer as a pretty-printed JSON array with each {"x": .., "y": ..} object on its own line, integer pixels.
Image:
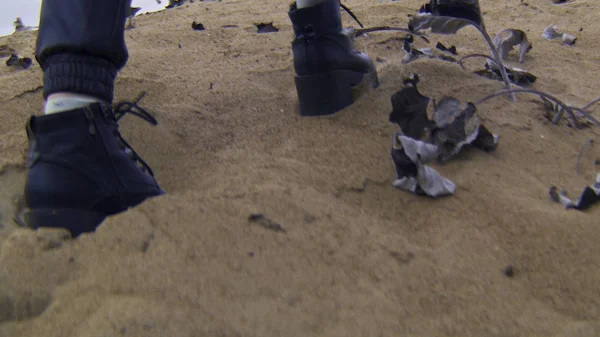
[
  {"x": 450, "y": 130},
  {"x": 456, "y": 127},
  {"x": 589, "y": 197},
  {"x": 551, "y": 33},
  {"x": 508, "y": 38},
  {"x": 409, "y": 156},
  {"x": 515, "y": 75},
  {"x": 569, "y": 39},
  {"x": 442, "y": 47},
  {"x": 447, "y": 16},
  {"x": 409, "y": 109},
  {"x": 19, "y": 62},
  {"x": 413, "y": 54}
]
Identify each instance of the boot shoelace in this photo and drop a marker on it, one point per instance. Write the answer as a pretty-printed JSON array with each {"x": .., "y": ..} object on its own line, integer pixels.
[
  {"x": 364, "y": 30},
  {"x": 309, "y": 32},
  {"x": 123, "y": 108},
  {"x": 351, "y": 14}
]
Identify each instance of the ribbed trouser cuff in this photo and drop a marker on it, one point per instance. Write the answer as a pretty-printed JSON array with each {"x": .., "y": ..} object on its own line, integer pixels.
[{"x": 79, "y": 73}]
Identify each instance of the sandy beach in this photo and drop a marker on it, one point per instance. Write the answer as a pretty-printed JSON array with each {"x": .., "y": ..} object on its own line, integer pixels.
[{"x": 356, "y": 256}]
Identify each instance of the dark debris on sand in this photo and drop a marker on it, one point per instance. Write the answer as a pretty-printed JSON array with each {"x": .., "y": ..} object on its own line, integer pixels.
[
  {"x": 263, "y": 28},
  {"x": 19, "y": 62},
  {"x": 266, "y": 222},
  {"x": 590, "y": 196},
  {"x": 197, "y": 26}
]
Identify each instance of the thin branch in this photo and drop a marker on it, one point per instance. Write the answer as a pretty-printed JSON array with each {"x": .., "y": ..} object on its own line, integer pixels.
[
  {"x": 363, "y": 31},
  {"x": 586, "y": 114},
  {"x": 460, "y": 62},
  {"x": 592, "y": 103},
  {"x": 351, "y": 14},
  {"x": 541, "y": 94},
  {"x": 498, "y": 59},
  {"x": 585, "y": 145}
]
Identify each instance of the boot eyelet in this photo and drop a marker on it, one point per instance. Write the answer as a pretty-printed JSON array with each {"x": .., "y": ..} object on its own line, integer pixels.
[{"x": 308, "y": 32}]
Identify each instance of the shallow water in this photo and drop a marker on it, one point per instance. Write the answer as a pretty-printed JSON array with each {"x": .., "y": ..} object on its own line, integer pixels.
[{"x": 29, "y": 12}]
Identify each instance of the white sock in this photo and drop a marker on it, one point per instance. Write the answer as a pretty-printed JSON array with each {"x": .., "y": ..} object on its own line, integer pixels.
[
  {"x": 308, "y": 3},
  {"x": 67, "y": 101}
]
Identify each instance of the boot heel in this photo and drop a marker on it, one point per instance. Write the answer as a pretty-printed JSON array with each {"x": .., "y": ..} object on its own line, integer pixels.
[
  {"x": 328, "y": 93},
  {"x": 75, "y": 220}
]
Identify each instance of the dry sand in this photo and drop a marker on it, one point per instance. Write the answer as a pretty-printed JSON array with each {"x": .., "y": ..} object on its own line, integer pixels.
[{"x": 353, "y": 261}]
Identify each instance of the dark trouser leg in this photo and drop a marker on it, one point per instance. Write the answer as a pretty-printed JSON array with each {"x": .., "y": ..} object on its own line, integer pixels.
[
  {"x": 81, "y": 45},
  {"x": 80, "y": 169}
]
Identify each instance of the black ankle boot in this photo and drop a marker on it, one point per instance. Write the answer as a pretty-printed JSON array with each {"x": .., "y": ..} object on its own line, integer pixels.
[
  {"x": 328, "y": 66},
  {"x": 81, "y": 170}
]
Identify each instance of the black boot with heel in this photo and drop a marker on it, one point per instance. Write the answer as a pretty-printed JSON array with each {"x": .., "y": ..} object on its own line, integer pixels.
[
  {"x": 81, "y": 170},
  {"x": 330, "y": 71}
]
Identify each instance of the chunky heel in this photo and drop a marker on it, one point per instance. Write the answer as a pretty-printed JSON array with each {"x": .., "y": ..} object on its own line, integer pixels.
[
  {"x": 327, "y": 93},
  {"x": 75, "y": 220}
]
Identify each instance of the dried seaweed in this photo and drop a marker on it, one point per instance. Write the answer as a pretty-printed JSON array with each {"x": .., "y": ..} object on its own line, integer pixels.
[
  {"x": 451, "y": 50},
  {"x": 450, "y": 16},
  {"x": 557, "y": 110},
  {"x": 413, "y": 54},
  {"x": 589, "y": 196},
  {"x": 508, "y": 38},
  {"x": 412, "y": 175},
  {"x": 517, "y": 76},
  {"x": 552, "y": 33},
  {"x": 422, "y": 140},
  {"x": 563, "y": 107},
  {"x": 409, "y": 109},
  {"x": 462, "y": 59},
  {"x": 451, "y": 127}
]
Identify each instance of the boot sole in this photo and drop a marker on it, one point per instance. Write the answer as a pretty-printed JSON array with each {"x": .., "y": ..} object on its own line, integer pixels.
[
  {"x": 75, "y": 220},
  {"x": 328, "y": 93}
]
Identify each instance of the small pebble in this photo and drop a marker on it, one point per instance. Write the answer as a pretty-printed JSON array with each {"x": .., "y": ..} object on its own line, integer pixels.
[
  {"x": 509, "y": 271},
  {"x": 197, "y": 26}
]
